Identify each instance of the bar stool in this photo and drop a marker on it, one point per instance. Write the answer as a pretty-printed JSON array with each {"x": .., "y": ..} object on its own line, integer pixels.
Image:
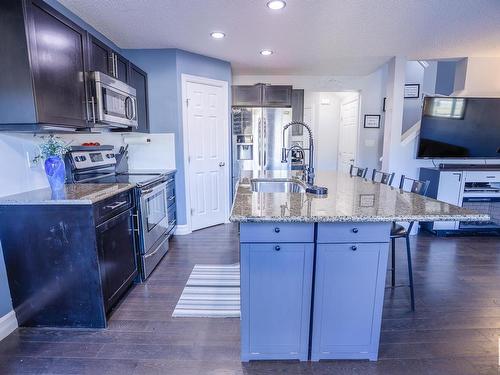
[
  {"x": 399, "y": 231},
  {"x": 383, "y": 177},
  {"x": 358, "y": 171}
]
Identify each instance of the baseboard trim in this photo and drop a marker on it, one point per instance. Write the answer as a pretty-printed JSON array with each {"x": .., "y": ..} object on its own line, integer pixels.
[
  {"x": 8, "y": 324},
  {"x": 181, "y": 230}
]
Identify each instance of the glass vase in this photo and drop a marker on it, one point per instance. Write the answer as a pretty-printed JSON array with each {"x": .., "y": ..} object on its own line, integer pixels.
[{"x": 56, "y": 172}]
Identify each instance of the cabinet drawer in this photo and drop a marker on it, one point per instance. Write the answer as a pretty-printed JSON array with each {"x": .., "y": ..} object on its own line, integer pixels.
[
  {"x": 277, "y": 232},
  {"x": 353, "y": 232},
  {"x": 480, "y": 176}
]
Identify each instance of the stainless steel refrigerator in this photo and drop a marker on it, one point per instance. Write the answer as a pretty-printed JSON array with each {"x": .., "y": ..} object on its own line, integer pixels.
[{"x": 257, "y": 139}]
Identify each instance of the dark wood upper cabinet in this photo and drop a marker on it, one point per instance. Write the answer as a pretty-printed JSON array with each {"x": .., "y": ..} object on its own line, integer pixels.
[
  {"x": 44, "y": 67},
  {"x": 247, "y": 95},
  {"x": 138, "y": 79},
  {"x": 277, "y": 95},
  {"x": 106, "y": 60},
  {"x": 262, "y": 95},
  {"x": 100, "y": 58}
]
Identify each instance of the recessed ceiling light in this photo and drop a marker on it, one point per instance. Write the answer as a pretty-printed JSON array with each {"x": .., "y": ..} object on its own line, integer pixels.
[
  {"x": 266, "y": 52},
  {"x": 276, "y": 4},
  {"x": 217, "y": 35}
]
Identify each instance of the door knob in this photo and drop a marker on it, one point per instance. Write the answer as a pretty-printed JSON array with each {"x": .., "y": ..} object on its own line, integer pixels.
[{"x": 221, "y": 164}]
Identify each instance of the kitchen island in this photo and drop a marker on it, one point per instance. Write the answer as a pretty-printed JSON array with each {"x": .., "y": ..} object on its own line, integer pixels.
[{"x": 313, "y": 268}]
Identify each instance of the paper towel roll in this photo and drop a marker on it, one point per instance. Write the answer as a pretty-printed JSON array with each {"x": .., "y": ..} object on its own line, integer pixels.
[{"x": 131, "y": 140}]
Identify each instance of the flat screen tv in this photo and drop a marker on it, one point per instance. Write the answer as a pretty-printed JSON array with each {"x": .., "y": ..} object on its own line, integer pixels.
[{"x": 460, "y": 128}]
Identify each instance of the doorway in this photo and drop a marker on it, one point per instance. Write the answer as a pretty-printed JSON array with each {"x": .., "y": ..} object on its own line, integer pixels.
[
  {"x": 335, "y": 120},
  {"x": 206, "y": 151}
]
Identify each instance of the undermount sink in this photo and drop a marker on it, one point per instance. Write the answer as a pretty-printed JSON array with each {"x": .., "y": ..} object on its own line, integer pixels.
[{"x": 277, "y": 185}]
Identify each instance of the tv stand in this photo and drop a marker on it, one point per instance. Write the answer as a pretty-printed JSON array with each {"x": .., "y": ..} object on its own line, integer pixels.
[
  {"x": 469, "y": 167},
  {"x": 475, "y": 188}
]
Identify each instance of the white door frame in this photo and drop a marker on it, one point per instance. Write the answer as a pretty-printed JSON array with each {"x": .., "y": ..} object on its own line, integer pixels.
[
  {"x": 358, "y": 127},
  {"x": 185, "y": 79}
]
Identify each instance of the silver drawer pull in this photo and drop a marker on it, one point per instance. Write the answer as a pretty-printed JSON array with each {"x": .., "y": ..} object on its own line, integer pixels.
[
  {"x": 277, "y": 230},
  {"x": 277, "y": 248},
  {"x": 354, "y": 230},
  {"x": 354, "y": 248},
  {"x": 116, "y": 205}
]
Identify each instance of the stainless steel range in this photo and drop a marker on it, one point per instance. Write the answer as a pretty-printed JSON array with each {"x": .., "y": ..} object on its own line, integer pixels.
[{"x": 155, "y": 215}]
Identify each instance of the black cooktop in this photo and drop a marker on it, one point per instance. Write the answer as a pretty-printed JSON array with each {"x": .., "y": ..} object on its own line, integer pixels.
[{"x": 137, "y": 179}]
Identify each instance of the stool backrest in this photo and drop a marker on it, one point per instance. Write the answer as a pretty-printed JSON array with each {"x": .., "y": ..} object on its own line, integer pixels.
[
  {"x": 416, "y": 186},
  {"x": 382, "y": 177},
  {"x": 357, "y": 171}
]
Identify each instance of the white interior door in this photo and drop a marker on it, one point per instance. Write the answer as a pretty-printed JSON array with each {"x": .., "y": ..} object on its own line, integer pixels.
[
  {"x": 348, "y": 134},
  {"x": 207, "y": 147}
]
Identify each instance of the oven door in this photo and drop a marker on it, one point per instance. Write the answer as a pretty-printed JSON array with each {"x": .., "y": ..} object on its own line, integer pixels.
[
  {"x": 154, "y": 215},
  {"x": 114, "y": 106}
]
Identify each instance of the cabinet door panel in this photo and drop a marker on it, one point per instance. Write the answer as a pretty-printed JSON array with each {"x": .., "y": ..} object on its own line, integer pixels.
[
  {"x": 100, "y": 56},
  {"x": 122, "y": 71},
  {"x": 58, "y": 48},
  {"x": 247, "y": 96},
  {"x": 450, "y": 191},
  {"x": 115, "y": 239},
  {"x": 276, "y": 298},
  {"x": 349, "y": 291},
  {"x": 139, "y": 80},
  {"x": 276, "y": 95}
]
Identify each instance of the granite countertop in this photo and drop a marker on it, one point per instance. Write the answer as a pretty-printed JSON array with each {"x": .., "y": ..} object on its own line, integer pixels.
[
  {"x": 349, "y": 199},
  {"x": 71, "y": 194}
]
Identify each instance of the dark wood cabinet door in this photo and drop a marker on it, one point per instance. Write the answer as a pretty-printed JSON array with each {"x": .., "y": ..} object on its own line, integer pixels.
[
  {"x": 247, "y": 96},
  {"x": 122, "y": 68},
  {"x": 277, "y": 96},
  {"x": 58, "y": 48},
  {"x": 138, "y": 79},
  {"x": 99, "y": 56},
  {"x": 115, "y": 241}
]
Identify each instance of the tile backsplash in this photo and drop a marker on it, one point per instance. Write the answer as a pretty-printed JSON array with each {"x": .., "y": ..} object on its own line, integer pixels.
[{"x": 18, "y": 173}]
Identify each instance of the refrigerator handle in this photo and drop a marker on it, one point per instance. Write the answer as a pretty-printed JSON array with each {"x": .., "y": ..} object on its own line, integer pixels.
[
  {"x": 259, "y": 140},
  {"x": 264, "y": 137}
]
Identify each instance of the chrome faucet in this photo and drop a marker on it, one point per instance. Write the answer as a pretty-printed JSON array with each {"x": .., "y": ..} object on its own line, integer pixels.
[{"x": 309, "y": 170}]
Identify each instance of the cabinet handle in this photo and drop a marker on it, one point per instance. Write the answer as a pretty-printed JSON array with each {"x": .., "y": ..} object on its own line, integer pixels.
[
  {"x": 354, "y": 230},
  {"x": 277, "y": 248},
  {"x": 277, "y": 230},
  {"x": 354, "y": 248},
  {"x": 92, "y": 105}
]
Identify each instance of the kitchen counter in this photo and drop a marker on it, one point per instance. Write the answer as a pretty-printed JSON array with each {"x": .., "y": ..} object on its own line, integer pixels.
[
  {"x": 349, "y": 199},
  {"x": 71, "y": 194},
  {"x": 313, "y": 269}
]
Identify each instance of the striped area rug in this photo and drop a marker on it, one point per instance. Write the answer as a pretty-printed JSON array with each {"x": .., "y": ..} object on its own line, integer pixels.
[{"x": 212, "y": 291}]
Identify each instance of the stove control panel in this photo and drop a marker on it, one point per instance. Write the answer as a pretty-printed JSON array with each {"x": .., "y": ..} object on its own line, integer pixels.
[{"x": 90, "y": 159}]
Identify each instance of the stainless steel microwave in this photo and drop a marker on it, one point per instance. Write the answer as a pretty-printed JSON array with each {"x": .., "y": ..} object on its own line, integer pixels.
[{"x": 113, "y": 102}]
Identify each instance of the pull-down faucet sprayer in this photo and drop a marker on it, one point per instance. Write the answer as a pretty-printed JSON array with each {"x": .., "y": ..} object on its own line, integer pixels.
[{"x": 309, "y": 170}]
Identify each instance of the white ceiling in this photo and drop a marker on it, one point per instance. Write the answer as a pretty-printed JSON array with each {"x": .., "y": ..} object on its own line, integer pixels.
[{"x": 310, "y": 37}]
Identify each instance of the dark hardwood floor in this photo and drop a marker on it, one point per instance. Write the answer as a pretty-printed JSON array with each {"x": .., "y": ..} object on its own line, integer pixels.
[{"x": 455, "y": 329}]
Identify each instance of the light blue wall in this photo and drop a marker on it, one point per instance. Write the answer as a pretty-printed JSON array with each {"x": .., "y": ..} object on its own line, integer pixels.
[{"x": 165, "y": 68}]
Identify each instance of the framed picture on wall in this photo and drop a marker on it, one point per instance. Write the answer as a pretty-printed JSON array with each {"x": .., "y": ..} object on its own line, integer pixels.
[
  {"x": 372, "y": 122},
  {"x": 412, "y": 91}
]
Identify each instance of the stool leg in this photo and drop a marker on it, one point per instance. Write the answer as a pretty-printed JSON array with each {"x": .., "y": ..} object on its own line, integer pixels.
[
  {"x": 393, "y": 259},
  {"x": 410, "y": 272}
]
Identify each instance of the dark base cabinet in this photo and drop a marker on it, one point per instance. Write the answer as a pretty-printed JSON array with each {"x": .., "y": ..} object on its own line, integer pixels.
[{"x": 66, "y": 269}]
